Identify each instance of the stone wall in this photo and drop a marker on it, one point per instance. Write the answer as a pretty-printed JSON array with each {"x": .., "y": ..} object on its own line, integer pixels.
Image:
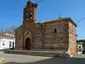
[
  {"x": 38, "y": 36},
  {"x": 55, "y": 34},
  {"x": 72, "y": 39},
  {"x": 19, "y": 38},
  {"x": 58, "y": 40}
]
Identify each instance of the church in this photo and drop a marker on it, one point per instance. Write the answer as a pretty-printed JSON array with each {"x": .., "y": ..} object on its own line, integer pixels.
[{"x": 59, "y": 34}]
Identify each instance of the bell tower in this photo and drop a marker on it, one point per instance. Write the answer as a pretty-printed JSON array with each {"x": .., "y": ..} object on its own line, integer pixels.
[
  {"x": 29, "y": 22},
  {"x": 30, "y": 12}
]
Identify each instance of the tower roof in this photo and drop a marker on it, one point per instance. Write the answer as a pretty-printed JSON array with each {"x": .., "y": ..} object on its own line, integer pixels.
[{"x": 31, "y": 3}]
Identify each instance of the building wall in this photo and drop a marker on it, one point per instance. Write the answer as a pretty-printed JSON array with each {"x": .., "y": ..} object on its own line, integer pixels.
[
  {"x": 21, "y": 35},
  {"x": 72, "y": 39},
  {"x": 39, "y": 36},
  {"x": 19, "y": 38},
  {"x": 58, "y": 40},
  {"x": 6, "y": 43},
  {"x": 54, "y": 34},
  {"x": 46, "y": 37}
]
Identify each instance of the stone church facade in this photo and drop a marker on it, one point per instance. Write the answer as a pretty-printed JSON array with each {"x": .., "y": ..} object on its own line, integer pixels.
[{"x": 59, "y": 34}]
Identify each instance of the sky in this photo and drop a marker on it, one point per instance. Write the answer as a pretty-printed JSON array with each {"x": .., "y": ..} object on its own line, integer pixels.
[{"x": 11, "y": 12}]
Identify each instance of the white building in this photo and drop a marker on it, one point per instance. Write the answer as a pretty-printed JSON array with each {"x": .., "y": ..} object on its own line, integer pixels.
[
  {"x": 7, "y": 41},
  {"x": 80, "y": 48}
]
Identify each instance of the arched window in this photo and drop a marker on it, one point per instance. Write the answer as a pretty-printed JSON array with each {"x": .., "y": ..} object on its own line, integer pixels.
[
  {"x": 26, "y": 13},
  {"x": 55, "y": 30}
]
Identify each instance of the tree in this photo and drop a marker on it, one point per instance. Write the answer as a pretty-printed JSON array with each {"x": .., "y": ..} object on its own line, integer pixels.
[
  {"x": 81, "y": 40},
  {"x": 9, "y": 30},
  {"x": 2, "y": 32}
]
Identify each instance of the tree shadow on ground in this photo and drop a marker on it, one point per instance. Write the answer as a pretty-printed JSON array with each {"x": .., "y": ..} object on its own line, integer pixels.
[{"x": 56, "y": 61}]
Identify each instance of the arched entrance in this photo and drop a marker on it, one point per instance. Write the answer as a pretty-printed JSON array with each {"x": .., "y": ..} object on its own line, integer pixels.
[{"x": 27, "y": 45}]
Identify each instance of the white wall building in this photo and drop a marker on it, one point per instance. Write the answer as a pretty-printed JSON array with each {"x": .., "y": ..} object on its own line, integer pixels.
[
  {"x": 7, "y": 42},
  {"x": 80, "y": 47}
]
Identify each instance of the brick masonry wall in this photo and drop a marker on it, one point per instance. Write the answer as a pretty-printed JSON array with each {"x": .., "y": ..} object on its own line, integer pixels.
[
  {"x": 56, "y": 40},
  {"x": 39, "y": 36},
  {"x": 19, "y": 38},
  {"x": 47, "y": 39},
  {"x": 72, "y": 39}
]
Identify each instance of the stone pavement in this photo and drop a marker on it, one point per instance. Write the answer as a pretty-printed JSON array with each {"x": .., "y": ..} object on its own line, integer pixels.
[
  {"x": 20, "y": 58},
  {"x": 25, "y": 59}
]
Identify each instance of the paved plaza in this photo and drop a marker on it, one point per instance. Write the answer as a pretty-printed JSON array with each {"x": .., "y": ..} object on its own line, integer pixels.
[{"x": 25, "y": 59}]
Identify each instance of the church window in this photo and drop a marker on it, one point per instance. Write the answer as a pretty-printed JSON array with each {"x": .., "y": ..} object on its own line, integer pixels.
[
  {"x": 55, "y": 30},
  {"x": 30, "y": 17}
]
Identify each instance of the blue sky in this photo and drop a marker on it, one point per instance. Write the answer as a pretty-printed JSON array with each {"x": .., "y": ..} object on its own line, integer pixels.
[{"x": 47, "y": 10}]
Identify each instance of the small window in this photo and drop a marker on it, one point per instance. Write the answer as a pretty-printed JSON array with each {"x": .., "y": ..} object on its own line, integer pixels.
[
  {"x": 13, "y": 45},
  {"x": 26, "y": 13},
  {"x": 9, "y": 43},
  {"x": 3, "y": 44},
  {"x": 79, "y": 46},
  {"x": 30, "y": 17},
  {"x": 55, "y": 30}
]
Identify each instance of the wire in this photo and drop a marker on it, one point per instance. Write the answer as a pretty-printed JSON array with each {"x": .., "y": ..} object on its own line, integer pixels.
[
  {"x": 80, "y": 20},
  {"x": 39, "y": 1},
  {"x": 19, "y": 6},
  {"x": 13, "y": 8}
]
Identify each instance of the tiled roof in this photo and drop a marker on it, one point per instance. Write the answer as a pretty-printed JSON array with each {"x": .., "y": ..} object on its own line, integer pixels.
[{"x": 61, "y": 19}]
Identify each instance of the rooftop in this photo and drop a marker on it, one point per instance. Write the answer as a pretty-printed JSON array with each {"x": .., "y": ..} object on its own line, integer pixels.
[{"x": 61, "y": 19}]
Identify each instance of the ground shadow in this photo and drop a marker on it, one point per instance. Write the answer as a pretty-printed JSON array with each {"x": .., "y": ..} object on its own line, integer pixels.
[{"x": 56, "y": 61}]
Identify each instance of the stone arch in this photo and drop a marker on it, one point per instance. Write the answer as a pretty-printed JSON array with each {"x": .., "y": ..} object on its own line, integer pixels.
[{"x": 27, "y": 40}]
